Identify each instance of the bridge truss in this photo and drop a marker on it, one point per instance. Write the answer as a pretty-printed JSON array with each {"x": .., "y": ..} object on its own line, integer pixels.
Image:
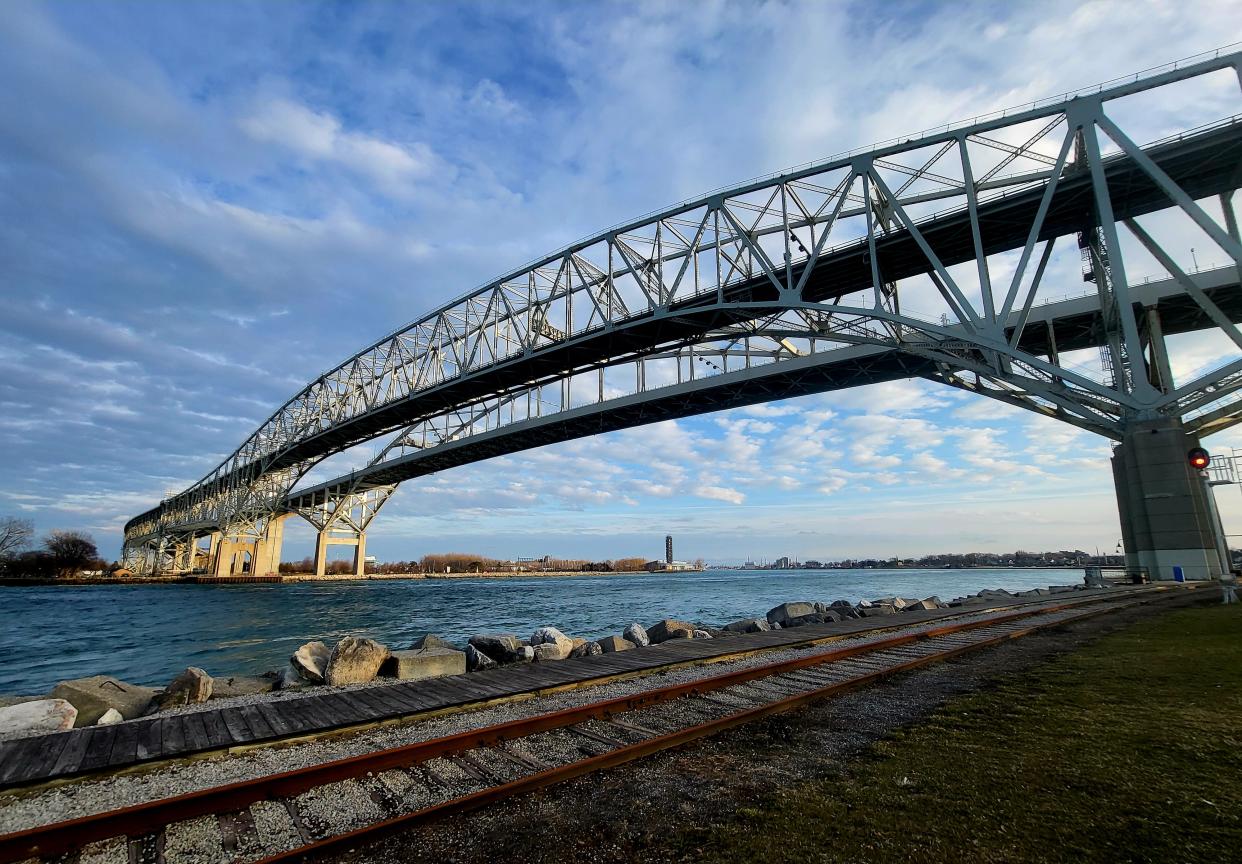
[{"x": 799, "y": 283}]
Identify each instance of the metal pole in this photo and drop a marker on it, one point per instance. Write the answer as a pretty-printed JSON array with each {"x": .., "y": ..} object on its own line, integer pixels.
[{"x": 1218, "y": 530}]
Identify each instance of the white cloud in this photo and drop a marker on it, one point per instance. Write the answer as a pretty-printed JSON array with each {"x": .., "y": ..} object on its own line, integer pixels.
[
  {"x": 489, "y": 98},
  {"x": 319, "y": 136},
  {"x": 720, "y": 493}
]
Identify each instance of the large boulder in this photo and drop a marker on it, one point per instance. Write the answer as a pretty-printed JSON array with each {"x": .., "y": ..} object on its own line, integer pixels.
[
  {"x": 636, "y": 634},
  {"x": 615, "y": 643},
  {"x": 311, "y": 661},
  {"x": 749, "y": 625},
  {"x": 786, "y": 612},
  {"x": 95, "y": 695},
  {"x": 825, "y": 617},
  {"x": 841, "y": 604},
  {"x": 289, "y": 678},
  {"x": 551, "y": 644},
  {"x": 587, "y": 649},
  {"x": 355, "y": 661},
  {"x": 36, "y": 718},
  {"x": 505, "y": 648},
  {"x": 669, "y": 629},
  {"x": 877, "y": 610},
  {"x": 191, "y": 687},
  {"x": 424, "y": 663},
  {"x": 241, "y": 685},
  {"x": 431, "y": 640},
  {"x": 477, "y": 661},
  {"x": 922, "y": 605}
]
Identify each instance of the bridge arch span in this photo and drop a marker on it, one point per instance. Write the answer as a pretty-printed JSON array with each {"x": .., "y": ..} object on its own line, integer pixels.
[{"x": 800, "y": 282}]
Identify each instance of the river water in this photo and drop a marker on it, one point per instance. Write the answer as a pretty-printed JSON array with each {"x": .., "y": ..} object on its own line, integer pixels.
[{"x": 148, "y": 633}]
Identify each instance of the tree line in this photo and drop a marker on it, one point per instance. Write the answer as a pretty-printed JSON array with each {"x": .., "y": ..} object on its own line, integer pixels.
[
  {"x": 60, "y": 554},
  {"x": 464, "y": 562}
]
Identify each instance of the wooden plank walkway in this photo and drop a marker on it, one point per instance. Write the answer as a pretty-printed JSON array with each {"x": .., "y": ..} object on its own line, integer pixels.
[{"x": 172, "y": 736}]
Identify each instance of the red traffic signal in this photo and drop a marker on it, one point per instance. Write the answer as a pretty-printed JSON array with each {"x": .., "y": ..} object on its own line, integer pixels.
[{"x": 1199, "y": 458}]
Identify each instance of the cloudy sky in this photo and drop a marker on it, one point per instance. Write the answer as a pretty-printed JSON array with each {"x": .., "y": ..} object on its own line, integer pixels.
[{"x": 205, "y": 205}]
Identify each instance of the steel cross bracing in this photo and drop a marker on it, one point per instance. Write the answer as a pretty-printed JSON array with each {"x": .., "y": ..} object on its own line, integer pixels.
[{"x": 813, "y": 275}]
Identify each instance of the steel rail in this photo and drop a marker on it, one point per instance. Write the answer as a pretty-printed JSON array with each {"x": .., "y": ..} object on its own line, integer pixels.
[{"x": 142, "y": 819}]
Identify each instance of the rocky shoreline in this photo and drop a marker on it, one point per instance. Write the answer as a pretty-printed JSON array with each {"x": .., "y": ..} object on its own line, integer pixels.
[{"x": 353, "y": 661}]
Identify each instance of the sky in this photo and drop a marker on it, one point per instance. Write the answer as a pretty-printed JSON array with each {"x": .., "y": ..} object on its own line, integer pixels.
[{"x": 203, "y": 206}]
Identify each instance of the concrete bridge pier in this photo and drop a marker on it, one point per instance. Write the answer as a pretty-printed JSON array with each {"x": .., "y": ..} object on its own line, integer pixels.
[
  {"x": 233, "y": 555},
  {"x": 1168, "y": 517},
  {"x": 327, "y": 537}
]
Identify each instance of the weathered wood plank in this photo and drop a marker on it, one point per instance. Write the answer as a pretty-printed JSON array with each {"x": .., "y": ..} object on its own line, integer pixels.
[
  {"x": 260, "y": 729},
  {"x": 30, "y": 757},
  {"x": 218, "y": 734},
  {"x": 125, "y": 745},
  {"x": 150, "y": 743},
  {"x": 172, "y": 731},
  {"x": 235, "y": 722},
  {"x": 99, "y": 748},
  {"x": 195, "y": 732},
  {"x": 409, "y": 702},
  {"x": 275, "y": 719},
  {"x": 75, "y": 750},
  {"x": 348, "y": 712}
]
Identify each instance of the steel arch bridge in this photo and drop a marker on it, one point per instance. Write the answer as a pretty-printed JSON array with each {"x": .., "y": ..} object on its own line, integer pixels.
[{"x": 798, "y": 283}]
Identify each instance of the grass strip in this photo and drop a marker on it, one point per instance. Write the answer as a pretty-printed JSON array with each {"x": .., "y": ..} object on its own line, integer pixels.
[{"x": 1129, "y": 750}]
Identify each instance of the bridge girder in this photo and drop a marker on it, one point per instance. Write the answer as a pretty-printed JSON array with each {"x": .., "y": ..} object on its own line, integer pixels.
[{"x": 792, "y": 269}]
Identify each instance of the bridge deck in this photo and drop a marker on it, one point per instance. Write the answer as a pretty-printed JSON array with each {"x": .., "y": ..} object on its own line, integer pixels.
[{"x": 103, "y": 748}]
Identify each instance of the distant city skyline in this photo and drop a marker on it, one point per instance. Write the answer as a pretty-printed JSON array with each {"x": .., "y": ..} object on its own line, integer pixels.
[{"x": 200, "y": 216}]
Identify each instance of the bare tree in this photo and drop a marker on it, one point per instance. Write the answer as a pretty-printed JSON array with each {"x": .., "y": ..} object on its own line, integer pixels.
[
  {"x": 15, "y": 535},
  {"x": 71, "y": 550},
  {"x": 629, "y": 565}
]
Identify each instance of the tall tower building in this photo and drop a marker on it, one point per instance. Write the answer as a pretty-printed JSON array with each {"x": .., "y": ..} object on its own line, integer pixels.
[{"x": 668, "y": 549}]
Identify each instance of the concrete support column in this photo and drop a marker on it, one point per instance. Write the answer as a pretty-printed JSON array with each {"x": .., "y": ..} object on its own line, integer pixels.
[
  {"x": 224, "y": 550},
  {"x": 1166, "y": 517},
  {"x": 321, "y": 553},
  {"x": 268, "y": 549},
  {"x": 326, "y": 538}
]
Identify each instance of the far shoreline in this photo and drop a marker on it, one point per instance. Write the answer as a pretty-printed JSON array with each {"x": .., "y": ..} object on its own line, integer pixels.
[{"x": 294, "y": 578}]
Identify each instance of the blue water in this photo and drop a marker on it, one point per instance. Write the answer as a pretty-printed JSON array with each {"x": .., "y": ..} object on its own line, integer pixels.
[{"x": 149, "y": 633}]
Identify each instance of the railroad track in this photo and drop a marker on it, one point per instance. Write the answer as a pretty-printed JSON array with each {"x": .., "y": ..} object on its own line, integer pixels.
[{"x": 336, "y": 806}]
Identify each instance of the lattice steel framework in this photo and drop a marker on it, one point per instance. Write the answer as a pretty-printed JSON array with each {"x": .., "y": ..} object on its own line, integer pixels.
[{"x": 800, "y": 282}]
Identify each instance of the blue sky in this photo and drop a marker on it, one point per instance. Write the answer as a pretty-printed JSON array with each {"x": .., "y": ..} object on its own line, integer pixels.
[{"x": 203, "y": 206}]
